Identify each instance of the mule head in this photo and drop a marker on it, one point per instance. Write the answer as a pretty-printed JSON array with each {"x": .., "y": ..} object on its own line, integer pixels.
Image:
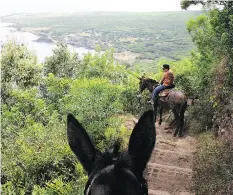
[
  {"x": 142, "y": 84},
  {"x": 113, "y": 172},
  {"x": 147, "y": 83}
]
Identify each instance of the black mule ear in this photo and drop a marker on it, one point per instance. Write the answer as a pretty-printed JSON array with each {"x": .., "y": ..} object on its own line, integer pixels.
[
  {"x": 80, "y": 143},
  {"x": 142, "y": 142}
]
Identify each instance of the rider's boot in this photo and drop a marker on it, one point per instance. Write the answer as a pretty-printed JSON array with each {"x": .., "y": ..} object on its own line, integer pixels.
[{"x": 153, "y": 101}]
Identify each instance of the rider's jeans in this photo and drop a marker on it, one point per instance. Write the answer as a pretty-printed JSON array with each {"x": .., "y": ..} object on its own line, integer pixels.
[
  {"x": 160, "y": 88},
  {"x": 157, "y": 90}
]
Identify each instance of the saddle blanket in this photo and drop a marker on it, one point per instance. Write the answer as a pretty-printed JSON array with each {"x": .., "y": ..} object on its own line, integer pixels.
[{"x": 164, "y": 93}]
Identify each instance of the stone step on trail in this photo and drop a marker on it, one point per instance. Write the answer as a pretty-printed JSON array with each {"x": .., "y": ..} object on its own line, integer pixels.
[
  {"x": 184, "y": 145},
  {"x": 158, "y": 192},
  {"x": 167, "y": 157},
  {"x": 171, "y": 179},
  {"x": 169, "y": 171}
]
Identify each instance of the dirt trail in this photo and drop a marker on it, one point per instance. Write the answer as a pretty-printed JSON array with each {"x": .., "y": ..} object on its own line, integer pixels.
[{"x": 169, "y": 171}]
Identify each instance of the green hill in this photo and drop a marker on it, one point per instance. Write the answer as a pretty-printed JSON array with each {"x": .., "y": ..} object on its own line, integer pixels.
[{"x": 151, "y": 36}]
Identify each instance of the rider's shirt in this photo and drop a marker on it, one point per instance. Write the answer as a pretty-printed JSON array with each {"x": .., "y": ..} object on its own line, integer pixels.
[{"x": 168, "y": 78}]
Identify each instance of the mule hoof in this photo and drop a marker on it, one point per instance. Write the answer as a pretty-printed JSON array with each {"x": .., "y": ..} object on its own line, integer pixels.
[
  {"x": 169, "y": 131},
  {"x": 159, "y": 123},
  {"x": 180, "y": 135},
  {"x": 174, "y": 135}
]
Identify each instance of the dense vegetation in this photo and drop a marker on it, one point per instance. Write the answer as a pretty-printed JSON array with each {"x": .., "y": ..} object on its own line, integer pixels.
[
  {"x": 150, "y": 35},
  {"x": 36, "y": 99},
  {"x": 98, "y": 91},
  {"x": 212, "y": 33}
]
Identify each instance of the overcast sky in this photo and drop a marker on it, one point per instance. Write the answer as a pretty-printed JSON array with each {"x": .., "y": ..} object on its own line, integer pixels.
[{"x": 36, "y": 6}]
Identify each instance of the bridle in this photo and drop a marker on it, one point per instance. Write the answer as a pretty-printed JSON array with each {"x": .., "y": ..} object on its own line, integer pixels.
[
  {"x": 147, "y": 86},
  {"x": 87, "y": 190}
]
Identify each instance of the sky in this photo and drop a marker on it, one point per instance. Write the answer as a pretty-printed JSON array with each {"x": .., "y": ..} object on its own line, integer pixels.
[{"x": 58, "y": 6}]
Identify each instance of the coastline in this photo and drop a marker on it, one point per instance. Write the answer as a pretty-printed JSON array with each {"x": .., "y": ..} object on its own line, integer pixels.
[{"x": 43, "y": 37}]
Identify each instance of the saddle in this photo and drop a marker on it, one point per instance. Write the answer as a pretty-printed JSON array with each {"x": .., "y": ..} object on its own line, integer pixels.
[{"x": 164, "y": 93}]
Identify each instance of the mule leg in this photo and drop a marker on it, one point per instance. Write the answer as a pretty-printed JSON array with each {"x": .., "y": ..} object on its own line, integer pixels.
[
  {"x": 177, "y": 121},
  {"x": 173, "y": 122},
  {"x": 160, "y": 114},
  {"x": 177, "y": 127},
  {"x": 182, "y": 111},
  {"x": 155, "y": 109},
  {"x": 181, "y": 126}
]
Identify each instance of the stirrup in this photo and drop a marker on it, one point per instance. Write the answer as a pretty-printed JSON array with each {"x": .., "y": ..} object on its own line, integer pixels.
[{"x": 150, "y": 102}]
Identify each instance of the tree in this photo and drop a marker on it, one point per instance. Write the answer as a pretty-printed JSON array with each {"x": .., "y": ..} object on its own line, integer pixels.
[
  {"x": 19, "y": 65},
  {"x": 213, "y": 32},
  {"x": 62, "y": 63},
  {"x": 102, "y": 65},
  {"x": 185, "y": 4},
  {"x": 19, "y": 68}
]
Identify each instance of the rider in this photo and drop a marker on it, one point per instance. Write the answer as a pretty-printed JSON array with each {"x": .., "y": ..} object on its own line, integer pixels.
[{"x": 166, "y": 82}]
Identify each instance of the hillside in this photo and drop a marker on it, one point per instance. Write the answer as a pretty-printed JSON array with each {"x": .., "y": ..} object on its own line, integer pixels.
[
  {"x": 146, "y": 37},
  {"x": 104, "y": 96}
]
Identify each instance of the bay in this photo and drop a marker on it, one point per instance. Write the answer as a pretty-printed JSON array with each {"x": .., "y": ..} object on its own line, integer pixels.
[{"x": 41, "y": 49}]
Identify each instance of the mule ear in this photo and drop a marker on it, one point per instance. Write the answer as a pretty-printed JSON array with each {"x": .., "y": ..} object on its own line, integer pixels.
[
  {"x": 80, "y": 143},
  {"x": 142, "y": 142}
]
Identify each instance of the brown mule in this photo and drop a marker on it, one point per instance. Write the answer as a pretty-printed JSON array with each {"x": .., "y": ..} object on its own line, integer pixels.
[{"x": 169, "y": 99}]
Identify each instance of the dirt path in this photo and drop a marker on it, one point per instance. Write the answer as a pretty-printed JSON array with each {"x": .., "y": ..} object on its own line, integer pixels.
[{"x": 169, "y": 171}]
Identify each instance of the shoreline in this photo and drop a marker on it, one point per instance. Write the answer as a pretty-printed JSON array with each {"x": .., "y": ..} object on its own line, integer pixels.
[
  {"x": 125, "y": 56},
  {"x": 42, "y": 37}
]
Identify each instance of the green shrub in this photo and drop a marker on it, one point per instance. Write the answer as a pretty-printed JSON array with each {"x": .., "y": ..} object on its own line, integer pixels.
[
  {"x": 94, "y": 102},
  {"x": 213, "y": 168},
  {"x": 35, "y": 153},
  {"x": 102, "y": 66},
  {"x": 19, "y": 65},
  {"x": 130, "y": 101},
  {"x": 200, "y": 116},
  {"x": 28, "y": 161},
  {"x": 62, "y": 63},
  {"x": 19, "y": 68}
]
